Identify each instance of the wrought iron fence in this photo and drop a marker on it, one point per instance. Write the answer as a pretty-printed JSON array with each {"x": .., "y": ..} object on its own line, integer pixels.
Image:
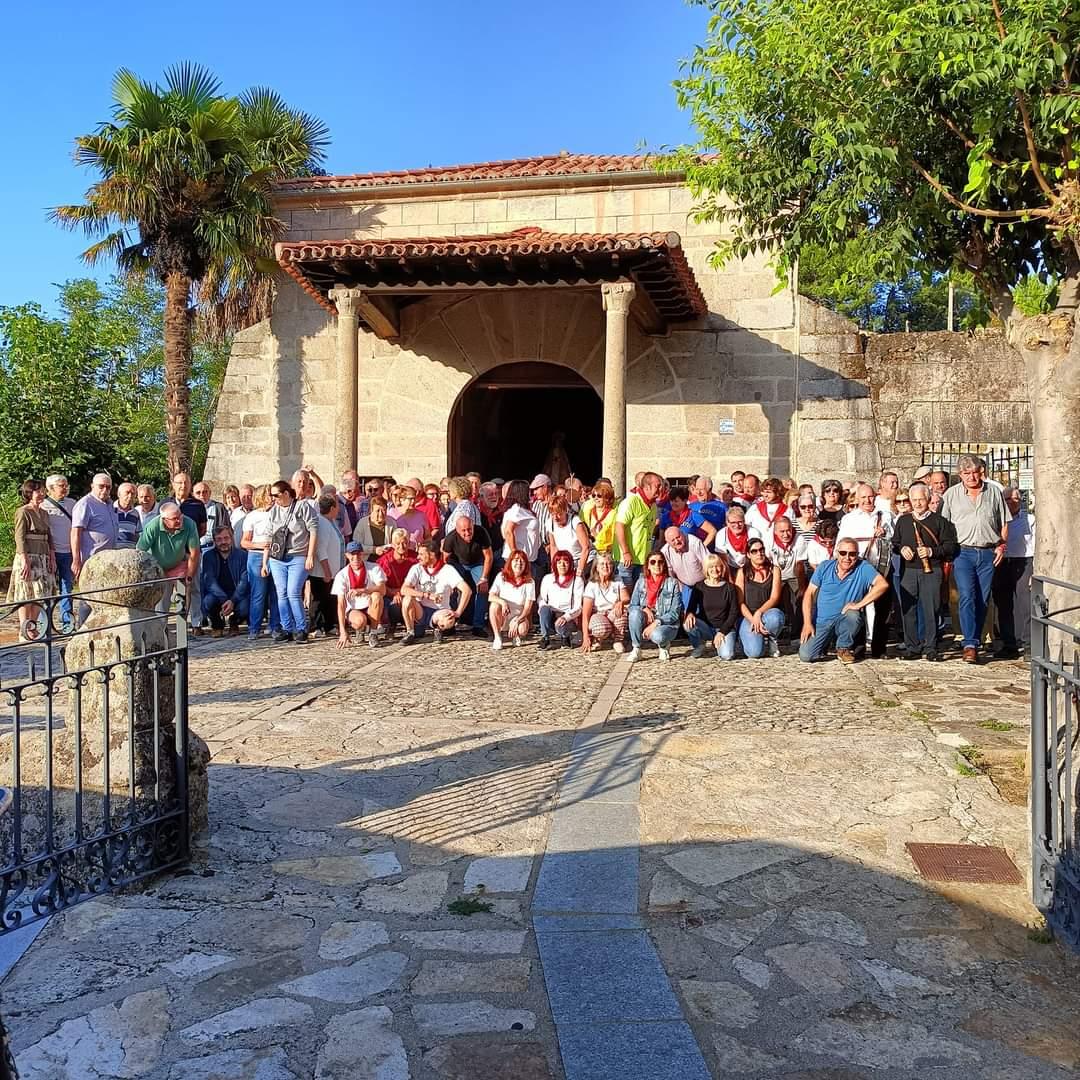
[
  {"x": 1010, "y": 464},
  {"x": 1055, "y": 705},
  {"x": 93, "y": 754}
]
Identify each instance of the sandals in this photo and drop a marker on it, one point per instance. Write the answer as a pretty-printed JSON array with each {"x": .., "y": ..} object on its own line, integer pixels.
[{"x": 28, "y": 630}]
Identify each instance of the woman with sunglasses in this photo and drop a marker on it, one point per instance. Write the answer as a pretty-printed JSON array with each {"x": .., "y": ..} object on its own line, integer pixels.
[
  {"x": 655, "y": 608},
  {"x": 832, "y": 501},
  {"x": 255, "y": 536},
  {"x": 713, "y": 614},
  {"x": 760, "y": 588},
  {"x": 290, "y": 573},
  {"x": 806, "y": 519}
]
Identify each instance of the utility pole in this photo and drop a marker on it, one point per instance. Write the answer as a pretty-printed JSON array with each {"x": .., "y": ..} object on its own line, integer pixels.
[{"x": 952, "y": 303}]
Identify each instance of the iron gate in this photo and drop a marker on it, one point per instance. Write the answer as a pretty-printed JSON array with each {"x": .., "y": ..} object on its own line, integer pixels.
[
  {"x": 1010, "y": 464},
  {"x": 1055, "y": 704},
  {"x": 93, "y": 756}
]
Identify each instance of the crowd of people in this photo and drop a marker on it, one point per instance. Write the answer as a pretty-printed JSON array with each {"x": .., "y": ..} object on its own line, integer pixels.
[{"x": 741, "y": 568}]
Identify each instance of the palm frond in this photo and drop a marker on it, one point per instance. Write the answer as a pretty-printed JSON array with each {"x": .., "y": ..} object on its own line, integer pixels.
[{"x": 193, "y": 83}]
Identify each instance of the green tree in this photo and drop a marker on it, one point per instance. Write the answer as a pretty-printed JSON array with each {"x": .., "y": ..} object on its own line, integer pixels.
[
  {"x": 184, "y": 192},
  {"x": 938, "y": 131}
]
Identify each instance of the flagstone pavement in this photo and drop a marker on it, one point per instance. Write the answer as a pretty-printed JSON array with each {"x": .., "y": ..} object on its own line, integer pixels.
[{"x": 442, "y": 863}]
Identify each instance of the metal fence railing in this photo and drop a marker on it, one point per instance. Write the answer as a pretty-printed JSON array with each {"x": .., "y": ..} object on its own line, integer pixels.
[
  {"x": 93, "y": 755},
  {"x": 1010, "y": 464},
  {"x": 1055, "y": 707}
]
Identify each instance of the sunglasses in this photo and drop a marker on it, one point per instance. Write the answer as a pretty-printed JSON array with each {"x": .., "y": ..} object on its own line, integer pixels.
[
  {"x": 847, "y": 554},
  {"x": 656, "y": 562},
  {"x": 807, "y": 506},
  {"x": 903, "y": 502},
  {"x": 756, "y": 551}
]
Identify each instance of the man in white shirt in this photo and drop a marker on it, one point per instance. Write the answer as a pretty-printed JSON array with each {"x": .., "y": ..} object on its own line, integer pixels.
[
  {"x": 685, "y": 558},
  {"x": 329, "y": 559},
  {"x": 426, "y": 594},
  {"x": 359, "y": 588},
  {"x": 888, "y": 486},
  {"x": 59, "y": 506},
  {"x": 1012, "y": 579},
  {"x": 871, "y": 528}
]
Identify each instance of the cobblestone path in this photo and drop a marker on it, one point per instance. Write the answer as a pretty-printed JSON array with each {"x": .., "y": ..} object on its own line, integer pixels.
[{"x": 735, "y": 834}]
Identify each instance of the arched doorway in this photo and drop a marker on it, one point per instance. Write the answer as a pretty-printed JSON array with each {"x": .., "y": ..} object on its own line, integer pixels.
[{"x": 507, "y": 421}]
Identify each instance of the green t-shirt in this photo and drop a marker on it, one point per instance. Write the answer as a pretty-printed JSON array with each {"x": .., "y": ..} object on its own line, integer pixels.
[
  {"x": 639, "y": 519},
  {"x": 169, "y": 548}
]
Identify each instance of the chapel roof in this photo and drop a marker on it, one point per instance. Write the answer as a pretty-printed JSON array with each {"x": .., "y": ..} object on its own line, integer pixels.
[{"x": 553, "y": 165}]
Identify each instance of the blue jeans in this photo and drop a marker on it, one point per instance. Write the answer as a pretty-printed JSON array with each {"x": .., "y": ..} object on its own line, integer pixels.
[
  {"x": 262, "y": 589},
  {"x": 663, "y": 635},
  {"x": 66, "y": 579},
  {"x": 753, "y": 643},
  {"x": 548, "y": 615},
  {"x": 846, "y": 628},
  {"x": 702, "y": 633},
  {"x": 973, "y": 572},
  {"x": 628, "y": 577},
  {"x": 289, "y": 577},
  {"x": 478, "y": 605}
]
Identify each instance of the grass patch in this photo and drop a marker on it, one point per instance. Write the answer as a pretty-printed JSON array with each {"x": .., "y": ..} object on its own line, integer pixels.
[
  {"x": 918, "y": 714},
  {"x": 1040, "y": 933},
  {"x": 971, "y": 761},
  {"x": 885, "y": 703},
  {"x": 468, "y": 905},
  {"x": 995, "y": 725}
]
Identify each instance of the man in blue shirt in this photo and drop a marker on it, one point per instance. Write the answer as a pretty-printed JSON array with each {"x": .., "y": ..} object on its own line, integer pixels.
[
  {"x": 706, "y": 504},
  {"x": 840, "y": 590},
  {"x": 684, "y": 517},
  {"x": 225, "y": 585}
]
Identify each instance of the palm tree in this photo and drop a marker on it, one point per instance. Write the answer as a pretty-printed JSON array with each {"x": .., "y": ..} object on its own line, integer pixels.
[{"x": 184, "y": 193}]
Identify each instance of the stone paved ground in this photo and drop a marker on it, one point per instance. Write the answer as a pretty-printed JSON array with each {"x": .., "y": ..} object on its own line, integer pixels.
[{"x": 356, "y": 795}]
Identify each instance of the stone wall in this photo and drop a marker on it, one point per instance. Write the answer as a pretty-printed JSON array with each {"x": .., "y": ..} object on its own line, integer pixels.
[{"x": 944, "y": 387}]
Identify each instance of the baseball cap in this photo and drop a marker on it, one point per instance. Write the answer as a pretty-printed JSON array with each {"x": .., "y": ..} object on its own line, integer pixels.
[
  {"x": 539, "y": 480},
  {"x": 353, "y": 547}
]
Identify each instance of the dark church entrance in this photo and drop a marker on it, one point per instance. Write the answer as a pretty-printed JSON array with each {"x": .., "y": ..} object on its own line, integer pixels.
[{"x": 520, "y": 419}]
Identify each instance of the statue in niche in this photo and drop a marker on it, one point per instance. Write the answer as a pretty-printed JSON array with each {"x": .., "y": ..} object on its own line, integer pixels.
[{"x": 557, "y": 464}]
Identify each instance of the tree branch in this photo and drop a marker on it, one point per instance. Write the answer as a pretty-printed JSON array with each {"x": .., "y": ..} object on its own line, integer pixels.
[
  {"x": 998, "y": 215},
  {"x": 967, "y": 140}
]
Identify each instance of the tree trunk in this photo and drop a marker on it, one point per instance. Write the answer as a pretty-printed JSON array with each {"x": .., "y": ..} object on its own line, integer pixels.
[
  {"x": 178, "y": 371},
  {"x": 1051, "y": 354}
]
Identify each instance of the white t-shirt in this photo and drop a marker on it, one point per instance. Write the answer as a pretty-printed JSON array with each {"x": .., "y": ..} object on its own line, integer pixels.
[
  {"x": 257, "y": 523},
  {"x": 815, "y": 553},
  {"x": 330, "y": 546},
  {"x": 361, "y": 601},
  {"x": 604, "y": 597},
  {"x": 762, "y": 523},
  {"x": 786, "y": 560},
  {"x": 526, "y": 532},
  {"x": 236, "y": 520},
  {"x": 723, "y": 547},
  {"x": 564, "y": 598},
  {"x": 436, "y": 588},
  {"x": 514, "y": 596},
  {"x": 566, "y": 537},
  {"x": 60, "y": 523},
  {"x": 859, "y": 525}
]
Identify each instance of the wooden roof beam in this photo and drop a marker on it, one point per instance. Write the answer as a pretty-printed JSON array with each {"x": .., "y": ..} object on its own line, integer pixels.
[{"x": 381, "y": 314}]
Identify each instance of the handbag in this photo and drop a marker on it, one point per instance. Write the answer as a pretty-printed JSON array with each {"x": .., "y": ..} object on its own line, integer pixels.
[{"x": 278, "y": 548}]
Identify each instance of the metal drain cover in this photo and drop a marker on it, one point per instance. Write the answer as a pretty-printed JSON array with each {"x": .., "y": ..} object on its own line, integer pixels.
[{"x": 975, "y": 863}]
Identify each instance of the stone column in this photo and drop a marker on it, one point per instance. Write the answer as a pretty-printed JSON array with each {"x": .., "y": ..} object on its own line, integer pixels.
[
  {"x": 346, "y": 301},
  {"x": 617, "y": 296}
]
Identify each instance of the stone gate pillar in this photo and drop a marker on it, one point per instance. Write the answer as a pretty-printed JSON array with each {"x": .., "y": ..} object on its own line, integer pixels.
[
  {"x": 347, "y": 302},
  {"x": 617, "y": 297}
]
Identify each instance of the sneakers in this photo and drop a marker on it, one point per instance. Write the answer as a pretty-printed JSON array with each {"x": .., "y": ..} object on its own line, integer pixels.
[
  {"x": 774, "y": 647},
  {"x": 618, "y": 646},
  {"x": 301, "y": 638},
  {"x": 697, "y": 652},
  {"x": 545, "y": 643},
  {"x": 436, "y": 635},
  {"x": 845, "y": 656},
  {"x": 664, "y": 652},
  {"x": 518, "y": 641},
  {"x": 633, "y": 655},
  {"x": 497, "y": 644},
  {"x": 373, "y": 638},
  {"x": 283, "y": 635},
  {"x": 409, "y": 639}
]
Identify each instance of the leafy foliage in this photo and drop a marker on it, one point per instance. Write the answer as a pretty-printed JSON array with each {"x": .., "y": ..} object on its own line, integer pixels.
[
  {"x": 185, "y": 194},
  {"x": 1034, "y": 295},
  {"x": 81, "y": 391},
  {"x": 938, "y": 132},
  {"x": 918, "y": 300}
]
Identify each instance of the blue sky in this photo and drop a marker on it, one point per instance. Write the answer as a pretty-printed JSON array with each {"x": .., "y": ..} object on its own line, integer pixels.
[{"x": 401, "y": 85}]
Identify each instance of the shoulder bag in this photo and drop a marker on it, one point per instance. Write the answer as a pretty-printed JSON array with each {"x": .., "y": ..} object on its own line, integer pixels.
[{"x": 278, "y": 548}]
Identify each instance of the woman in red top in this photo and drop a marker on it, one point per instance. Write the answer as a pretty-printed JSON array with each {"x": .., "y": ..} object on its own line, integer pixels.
[{"x": 396, "y": 564}]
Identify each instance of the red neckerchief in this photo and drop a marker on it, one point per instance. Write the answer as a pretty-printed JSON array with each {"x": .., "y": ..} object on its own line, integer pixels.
[
  {"x": 652, "y": 588},
  {"x": 778, "y": 542},
  {"x": 677, "y": 519},
  {"x": 357, "y": 581},
  {"x": 763, "y": 510},
  {"x": 739, "y": 544},
  {"x": 488, "y": 515},
  {"x": 644, "y": 498},
  {"x": 828, "y": 545},
  {"x": 567, "y": 581},
  {"x": 435, "y": 567}
]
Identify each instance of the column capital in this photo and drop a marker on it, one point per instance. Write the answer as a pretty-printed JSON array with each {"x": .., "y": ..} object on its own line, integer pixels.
[
  {"x": 617, "y": 296},
  {"x": 346, "y": 300}
]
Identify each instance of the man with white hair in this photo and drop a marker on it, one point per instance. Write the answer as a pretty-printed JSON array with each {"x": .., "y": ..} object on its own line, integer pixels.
[
  {"x": 94, "y": 526},
  {"x": 173, "y": 541},
  {"x": 128, "y": 521},
  {"x": 59, "y": 506},
  {"x": 685, "y": 558},
  {"x": 706, "y": 504}
]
